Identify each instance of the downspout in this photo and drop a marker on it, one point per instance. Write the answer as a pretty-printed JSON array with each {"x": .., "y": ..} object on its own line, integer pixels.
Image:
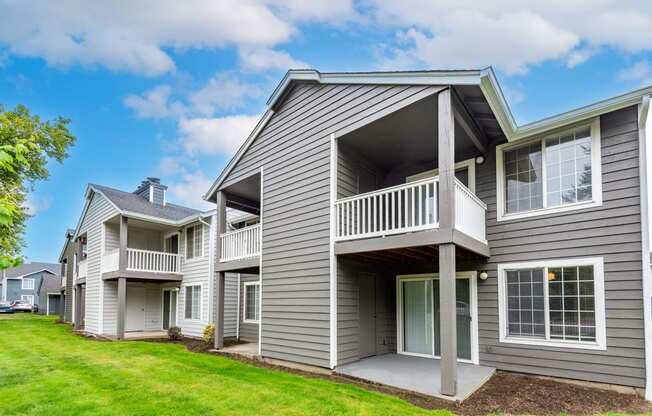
[{"x": 644, "y": 109}]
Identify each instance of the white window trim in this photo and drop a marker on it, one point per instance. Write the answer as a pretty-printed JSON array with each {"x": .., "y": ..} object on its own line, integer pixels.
[
  {"x": 22, "y": 285},
  {"x": 600, "y": 323},
  {"x": 469, "y": 164},
  {"x": 25, "y": 297},
  {"x": 201, "y": 301},
  {"x": 596, "y": 175},
  {"x": 172, "y": 234},
  {"x": 244, "y": 304},
  {"x": 201, "y": 242}
]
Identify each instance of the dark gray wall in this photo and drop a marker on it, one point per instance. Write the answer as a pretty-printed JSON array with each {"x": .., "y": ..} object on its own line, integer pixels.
[
  {"x": 295, "y": 149},
  {"x": 611, "y": 231},
  {"x": 15, "y": 291}
]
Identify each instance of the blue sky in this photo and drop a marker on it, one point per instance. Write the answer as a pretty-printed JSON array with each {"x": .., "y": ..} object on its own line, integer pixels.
[{"x": 170, "y": 89}]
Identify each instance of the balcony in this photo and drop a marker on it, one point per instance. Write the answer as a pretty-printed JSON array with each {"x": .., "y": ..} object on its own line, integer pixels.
[
  {"x": 141, "y": 262},
  {"x": 240, "y": 244},
  {"x": 406, "y": 208}
]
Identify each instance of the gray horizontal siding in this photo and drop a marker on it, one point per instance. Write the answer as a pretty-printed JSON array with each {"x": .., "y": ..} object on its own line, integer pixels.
[
  {"x": 294, "y": 149},
  {"x": 612, "y": 230}
]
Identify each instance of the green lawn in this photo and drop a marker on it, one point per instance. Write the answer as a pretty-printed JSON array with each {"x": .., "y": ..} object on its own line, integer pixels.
[{"x": 46, "y": 370}]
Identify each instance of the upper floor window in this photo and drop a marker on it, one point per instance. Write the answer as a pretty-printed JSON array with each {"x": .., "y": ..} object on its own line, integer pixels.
[
  {"x": 28, "y": 284},
  {"x": 194, "y": 240},
  {"x": 557, "y": 303},
  {"x": 558, "y": 172}
]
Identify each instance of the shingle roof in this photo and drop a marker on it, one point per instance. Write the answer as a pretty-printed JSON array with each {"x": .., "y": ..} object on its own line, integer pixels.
[
  {"x": 33, "y": 267},
  {"x": 128, "y": 201}
]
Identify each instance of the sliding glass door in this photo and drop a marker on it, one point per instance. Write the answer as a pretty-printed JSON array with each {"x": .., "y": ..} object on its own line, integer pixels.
[{"x": 419, "y": 312}]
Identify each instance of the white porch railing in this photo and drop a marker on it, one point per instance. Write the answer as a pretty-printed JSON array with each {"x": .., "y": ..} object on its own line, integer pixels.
[
  {"x": 470, "y": 213},
  {"x": 406, "y": 208},
  {"x": 399, "y": 209},
  {"x": 240, "y": 244},
  {"x": 153, "y": 261},
  {"x": 82, "y": 268},
  {"x": 111, "y": 261}
]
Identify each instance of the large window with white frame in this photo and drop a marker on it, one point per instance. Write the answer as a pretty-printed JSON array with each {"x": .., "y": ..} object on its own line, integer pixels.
[
  {"x": 28, "y": 299},
  {"x": 552, "y": 173},
  {"x": 553, "y": 302},
  {"x": 251, "y": 302},
  {"x": 192, "y": 307},
  {"x": 194, "y": 241},
  {"x": 27, "y": 284}
]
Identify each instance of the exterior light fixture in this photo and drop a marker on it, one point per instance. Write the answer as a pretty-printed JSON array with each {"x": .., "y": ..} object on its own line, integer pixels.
[
  {"x": 479, "y": 160},
  {"x": 483, "y": 275}
]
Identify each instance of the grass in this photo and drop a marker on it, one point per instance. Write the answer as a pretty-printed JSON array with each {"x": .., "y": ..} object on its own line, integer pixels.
[{"x": 47, "y": 370}]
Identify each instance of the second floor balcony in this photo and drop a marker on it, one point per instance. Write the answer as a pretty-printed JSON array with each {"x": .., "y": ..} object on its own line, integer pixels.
[
  {"x": 406, "y": 208},
  {"x": 143, "y": 261},
  {"x": 240, "y": 244}
]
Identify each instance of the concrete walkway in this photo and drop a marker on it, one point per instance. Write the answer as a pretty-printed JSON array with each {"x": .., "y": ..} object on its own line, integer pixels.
[{"x": 418, "y": 374}]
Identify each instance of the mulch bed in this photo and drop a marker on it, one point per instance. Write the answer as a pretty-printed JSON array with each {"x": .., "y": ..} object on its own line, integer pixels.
[{"x": 504, "y": 393}]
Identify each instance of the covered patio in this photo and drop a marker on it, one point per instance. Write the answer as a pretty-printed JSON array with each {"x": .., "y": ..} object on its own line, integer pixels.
[{"x": 417, "y": 374}]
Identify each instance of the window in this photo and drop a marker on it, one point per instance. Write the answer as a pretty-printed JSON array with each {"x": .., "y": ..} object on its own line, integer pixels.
[
  {"x": 27, "y": 298},
  {"x": 251, "y": 302},
  {"x": 193, "y": 302},
  {"x": 194, "y": 237},
  {"x": 555, "y": 173},
  {"x": 28, "y": 284},
  {"x": 558, "y": 303}
]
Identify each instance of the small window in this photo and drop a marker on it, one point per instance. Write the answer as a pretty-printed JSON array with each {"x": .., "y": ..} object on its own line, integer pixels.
[
  {"x": 554, "y": 173},
  {"x": 28, "y": 284},
  {"x": 194, "y": 239},
  {"x": 557, "y": 302},
  {"x": 251, "y": 302},
  {"x": 27, "y": 298},
  {"x": 193, "y": 302}
]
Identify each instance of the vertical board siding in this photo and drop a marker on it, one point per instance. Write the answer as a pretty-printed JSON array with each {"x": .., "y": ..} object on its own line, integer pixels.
[
  {"x": 248, "y": 331},
  {"x": 294, "y": 149},
  {"x": 230, "y": 305},
  {"x": 612, "y": 231},
  {"x": 99, "y": 210}
]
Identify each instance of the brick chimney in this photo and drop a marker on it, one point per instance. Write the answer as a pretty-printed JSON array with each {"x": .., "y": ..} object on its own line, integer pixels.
[{"x": 152, "y": 190}]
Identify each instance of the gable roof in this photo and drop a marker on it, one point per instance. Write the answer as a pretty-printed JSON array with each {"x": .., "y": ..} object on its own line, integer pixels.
[
  {"x": 27, "y": 269},
  {"x": 485, "y": 79},
  {"x": 69, "y": 234}
]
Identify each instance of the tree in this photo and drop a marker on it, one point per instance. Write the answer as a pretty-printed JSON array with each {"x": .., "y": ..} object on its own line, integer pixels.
[{"x": 26, "y": 146}]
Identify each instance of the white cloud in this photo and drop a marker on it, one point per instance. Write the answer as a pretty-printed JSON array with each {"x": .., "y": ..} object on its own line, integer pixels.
[
  {"x": 189, "y": 188},
  {"x": 35, "y": 204},
  {"x": 641, "y": 71},
  {"x": 131, "y": 36},
  {"x": 224, "y": 91},
  {"x": 509, "y": 34},
  {"x": 155, "y": 103},
  {"x": 212, "y": 136},
  {"x": 263, "y": 59}
]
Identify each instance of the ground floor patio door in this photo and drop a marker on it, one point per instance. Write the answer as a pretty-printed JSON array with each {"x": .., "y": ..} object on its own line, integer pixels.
[
  {"x": 169, "y": 308},
  {"x": 418, "y": 316}
]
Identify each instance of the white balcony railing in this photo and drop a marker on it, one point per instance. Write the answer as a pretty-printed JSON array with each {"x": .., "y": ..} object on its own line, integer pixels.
[
  {"x": 153, "y": 261},
  {"x": 111, "y": 261},
  {"x": 470, "y": 213},
  {"x": 240, "y": 244},
  {"x": 82, "y": 268},
  {"x": 399, "y": 209},
  {"x": 406, "y": 208}
]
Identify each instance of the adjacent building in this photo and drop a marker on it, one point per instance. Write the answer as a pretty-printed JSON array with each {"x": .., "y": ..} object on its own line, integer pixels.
[{"x": 34, "y": 283}]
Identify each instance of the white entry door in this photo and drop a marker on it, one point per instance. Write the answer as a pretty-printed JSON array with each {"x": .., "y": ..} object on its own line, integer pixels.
[{"x": 136, "y": 301}]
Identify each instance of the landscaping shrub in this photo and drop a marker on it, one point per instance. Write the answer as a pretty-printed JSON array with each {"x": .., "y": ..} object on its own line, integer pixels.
[
  {"x": 209, "y": 334},
  {"x": 174, "y": 333}
]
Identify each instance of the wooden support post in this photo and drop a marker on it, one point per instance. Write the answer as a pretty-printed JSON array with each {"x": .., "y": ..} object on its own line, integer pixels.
[
  {"x": 122, "y": 307},
  {"x": 124, "y": 231},
  {"x": 218, "y": 309}
]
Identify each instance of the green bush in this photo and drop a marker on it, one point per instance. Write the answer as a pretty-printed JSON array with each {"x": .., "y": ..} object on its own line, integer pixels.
[
  {"x": 174, "y": 333},
  {"x": 209, "y": 334}
]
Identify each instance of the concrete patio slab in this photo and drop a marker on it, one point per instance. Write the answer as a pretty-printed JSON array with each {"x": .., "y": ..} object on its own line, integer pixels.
[{"x": 418, "y": 374}]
